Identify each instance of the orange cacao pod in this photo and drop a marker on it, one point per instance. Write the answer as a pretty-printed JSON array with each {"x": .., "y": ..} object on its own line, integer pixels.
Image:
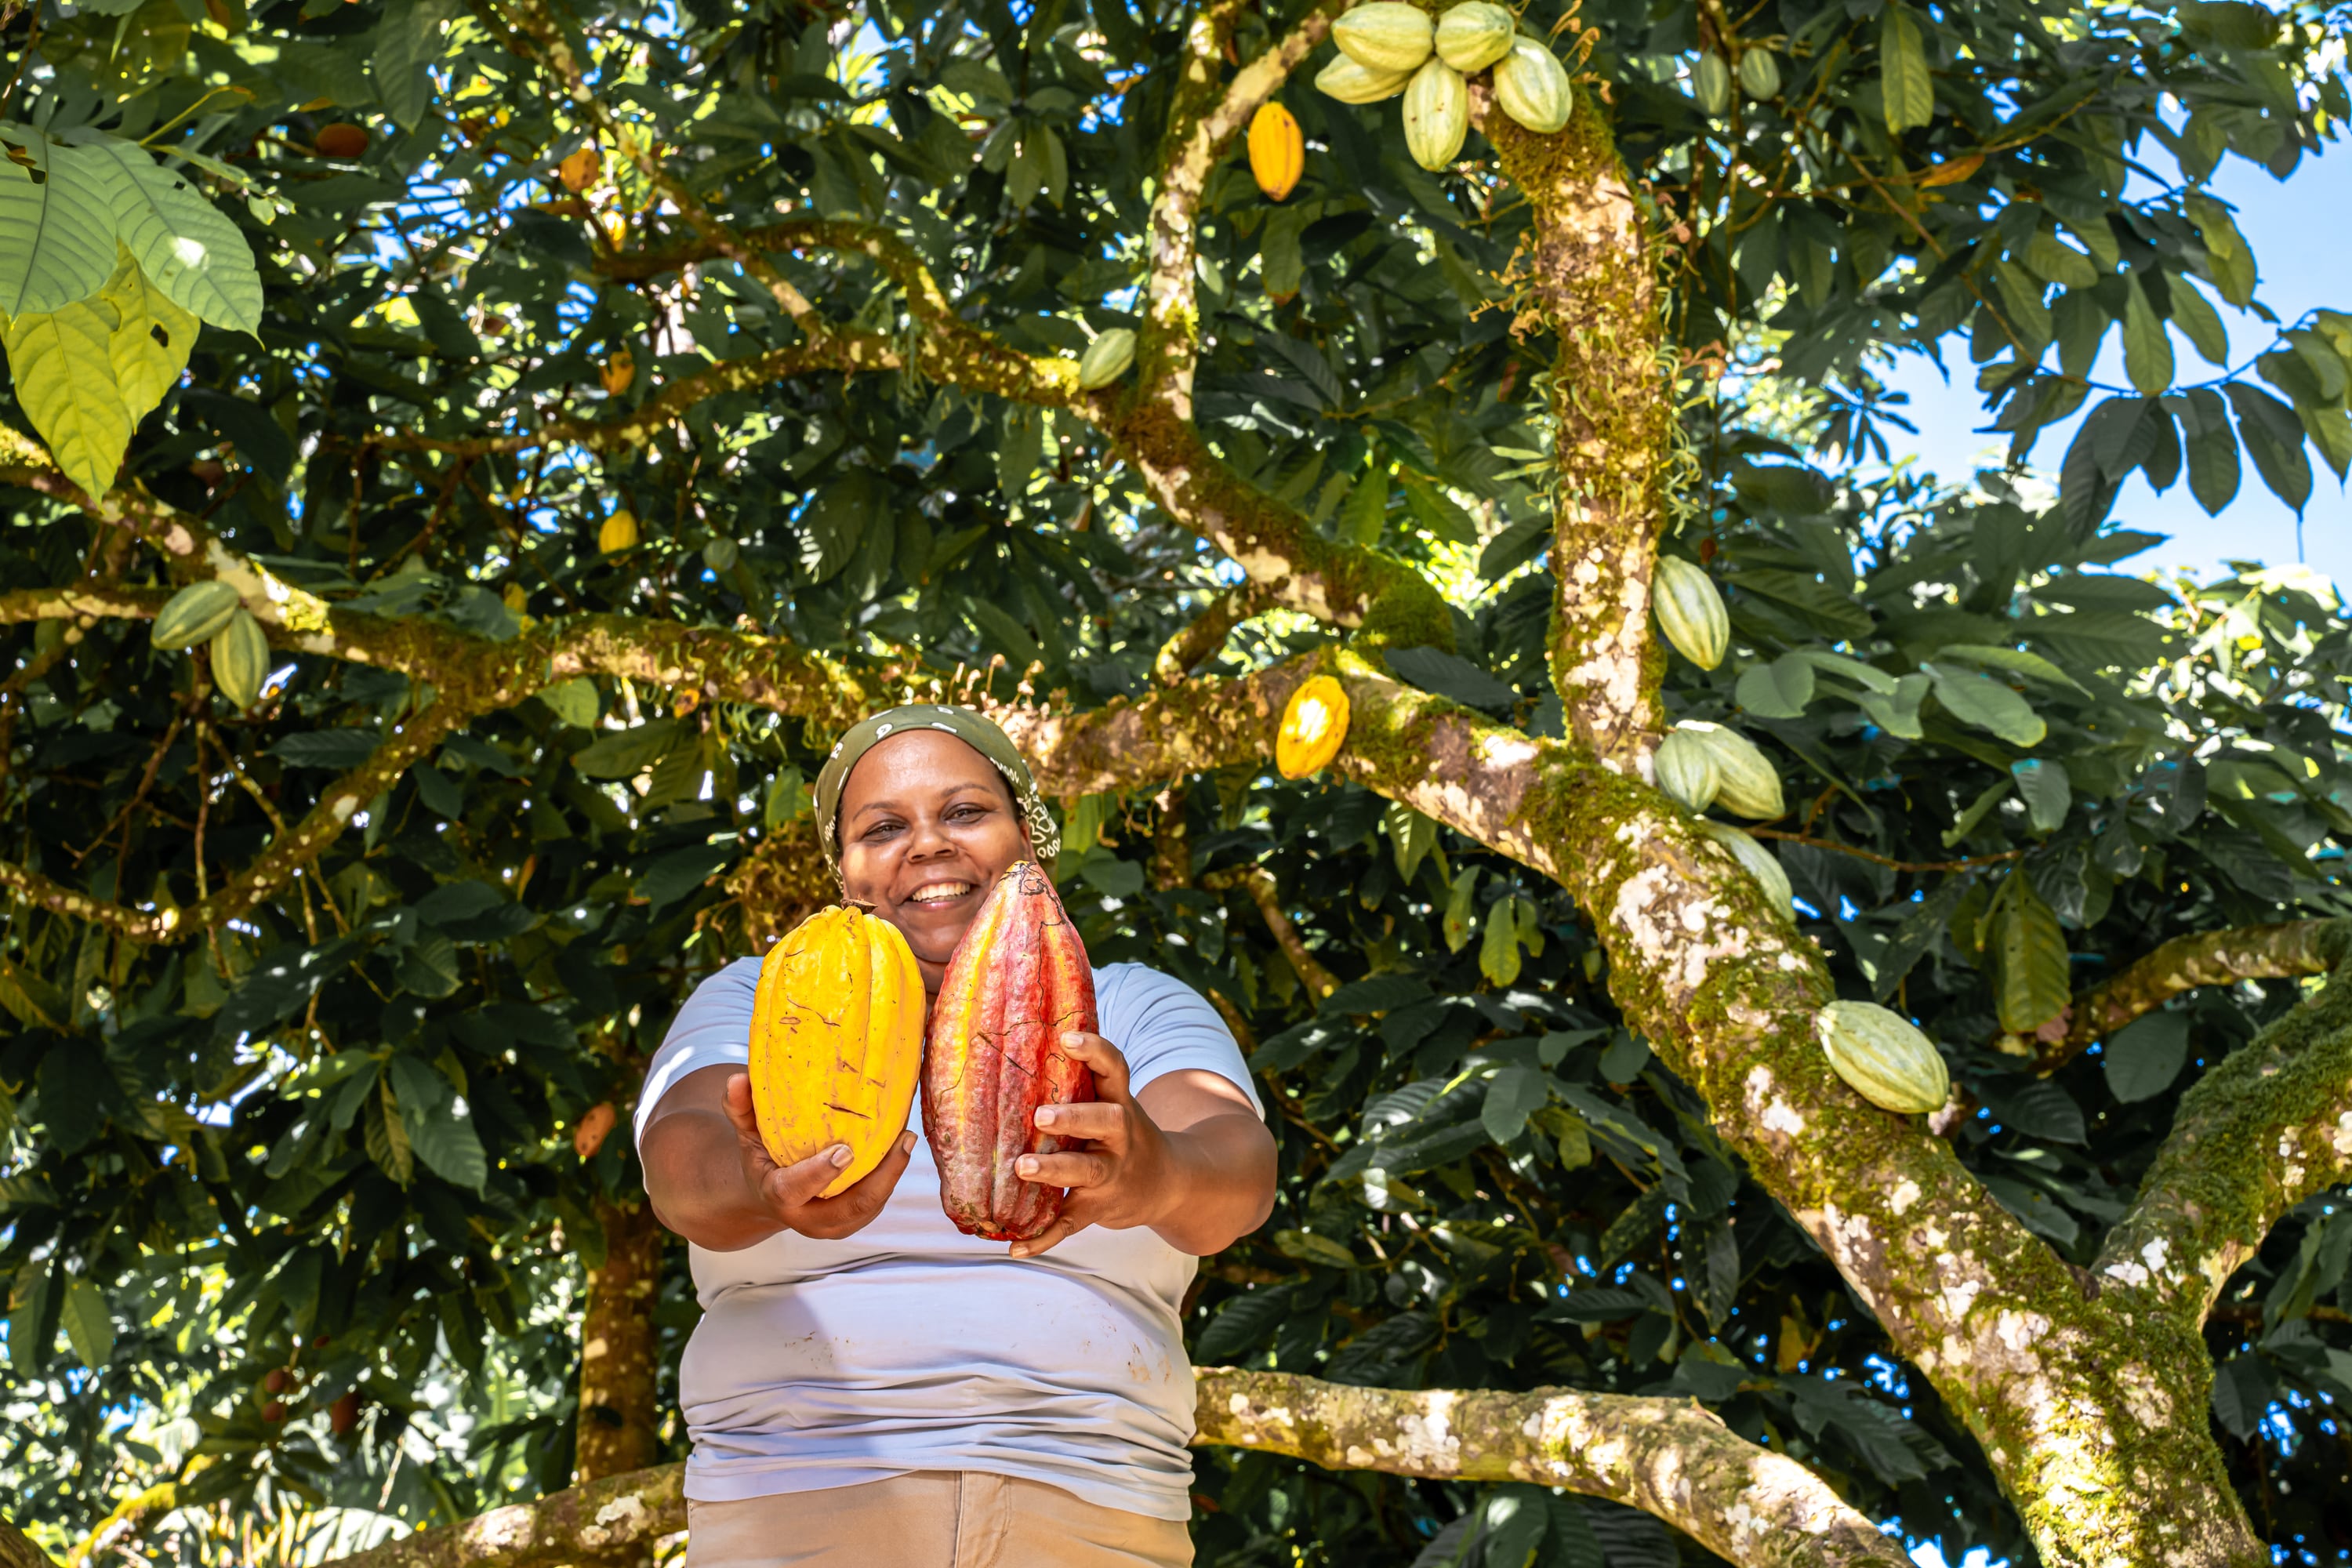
[
  {"x": 1017, "y": 980},
  {"x": 836, "y": 1040},
  {"x": 1277, "y": 152}
]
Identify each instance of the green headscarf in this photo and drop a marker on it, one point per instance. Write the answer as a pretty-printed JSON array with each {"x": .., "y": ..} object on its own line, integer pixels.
[{"x": 974, "y": 730}]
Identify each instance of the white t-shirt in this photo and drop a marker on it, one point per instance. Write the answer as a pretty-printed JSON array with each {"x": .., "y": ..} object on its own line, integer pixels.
[{"x": 911, "y": 1346}]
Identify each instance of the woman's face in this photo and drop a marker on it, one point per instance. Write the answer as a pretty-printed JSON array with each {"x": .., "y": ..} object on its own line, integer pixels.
[{"x": 926, "y": 827}]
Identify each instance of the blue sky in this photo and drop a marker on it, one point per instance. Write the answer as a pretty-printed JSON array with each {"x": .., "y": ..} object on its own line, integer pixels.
[{"x": 2300, "y": 230}]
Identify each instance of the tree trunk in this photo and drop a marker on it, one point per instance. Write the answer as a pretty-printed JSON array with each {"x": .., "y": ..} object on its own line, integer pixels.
[{"x": 618, "y": 1412}]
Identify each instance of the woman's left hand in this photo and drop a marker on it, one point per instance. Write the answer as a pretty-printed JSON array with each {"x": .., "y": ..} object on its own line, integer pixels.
[{"x": 1123, "y": 1174}]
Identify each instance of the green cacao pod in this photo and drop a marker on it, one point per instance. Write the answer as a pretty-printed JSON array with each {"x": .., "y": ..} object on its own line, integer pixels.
[
  {"x": 1689, "y": 611},
  {"x": 1106, "y": 359},
  {"x": 1474, "y": 35},
  {"x": 720, "y": 553},
  {"x": 1686, "y": 769},
  {"x": 193, "y": 613},
  {"x": 1532, "y": 87},
  {"x": 1384, "y": 36},
  {"x": 1760, "y": 73},
  {"x": 1756, "y": 860},
  {"x": 1883, "y": 1058},
  {"x": 1436, "y": 114},
  {"x": 1711, "y": 83},
  {"x": 1747, "y": 784},
  {"x": 1349, "y": 83},
  {"x": 240, "y": 659}
]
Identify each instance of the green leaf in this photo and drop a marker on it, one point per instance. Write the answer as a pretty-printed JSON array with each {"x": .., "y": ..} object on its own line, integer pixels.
[
  {"x": 63, "y": 364},
  {"x": 2148, "y": 347},
  {"x": 673, "y": 875},
  {"x": 28, "y": 1303},
  {"x": 2197, "y": 321},
  {"x": 2230, "y": 261},
  {"x": 2029, "y": 953},
  {"x": 57, "y": 238},
  {"x": 1513, "y": 1094},
  {"x": 439, "y": 1129},
  {"x": 1281, "y": 265},
  {"x": 627, "y": 752},
  {"x": 1779, "y": 689},
  {"x": 1908, "y": 91},
  {"x": 386, "y": 1138},
  {"x": 1460, "y": 905},
  {"x": 2044, "y": 786},
  {"x": 2212, "y": 444},
  {"x": 1410, "y": 835},
  {"x": 1498, "y": 947},
  {"x": 572, "y": 701},
  {"x": 788, "y": 796},
  {"x": 1977, "y": 699},
  {"x": 2274, "y": 438},
  {"x": 1897, "y": 713},
  {"x": 187, "y": 248},
  {"x": 2142, "y": 1059},
  {"x": 2015, "y": 660},
  {"x": 1450, "y": 675},
  {"x": 151, "y": 342},
  {"x": 88, "y": 1325},
  {"x": 1978, "y": 809},
  {"x": 1309, "y": 1247},
  {"x": 1365, "y": 511}
]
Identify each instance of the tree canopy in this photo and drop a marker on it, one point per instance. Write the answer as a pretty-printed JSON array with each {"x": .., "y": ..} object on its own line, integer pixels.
[{"x": 597, "y": 409}]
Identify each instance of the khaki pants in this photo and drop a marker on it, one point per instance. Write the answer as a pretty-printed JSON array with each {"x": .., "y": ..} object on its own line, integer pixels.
[{"x": 931, "y": 1518}]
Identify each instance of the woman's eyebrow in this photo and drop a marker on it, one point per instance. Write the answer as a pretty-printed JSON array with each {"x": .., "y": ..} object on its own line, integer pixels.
[{"x": 949, "y": 793}]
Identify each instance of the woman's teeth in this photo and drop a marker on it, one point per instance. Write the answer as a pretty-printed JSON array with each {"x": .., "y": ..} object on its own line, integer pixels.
[{"x": 939, "y": 891}]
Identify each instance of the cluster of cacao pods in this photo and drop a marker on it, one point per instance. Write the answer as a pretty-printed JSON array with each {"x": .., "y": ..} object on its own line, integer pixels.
[
  {"x": 1883, "y": 1057},
  {"x": 1314, "y": 727},
  {"x": 1759, "y": 71},
  {"x": 210, "y": 612},
  {"x": 1387, "y": 47},
  {"x": 1703, "y": 764},
  {"x": 838, "y": 1047}
]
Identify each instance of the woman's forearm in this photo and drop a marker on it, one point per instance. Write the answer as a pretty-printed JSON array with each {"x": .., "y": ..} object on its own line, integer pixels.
[
  {"x": 695, "y": 1177},
  {"x": 1223, "y": 1186}
]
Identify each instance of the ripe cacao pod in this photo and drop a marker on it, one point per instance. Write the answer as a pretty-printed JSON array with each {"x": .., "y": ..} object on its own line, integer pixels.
[
  {"x": 1532, "y": 87},
  {"x": 1747, "y": 784},
  {"x": 274, "y": 1412},
  {"x": 618, "y": 372},
  {"x": 1711, "y": 83},
  {"x": 1016, "y": 981},
  {"x": 343, "y": 1414},
  {"x": 579, "y": 170},
  {"x": 1686, "y": 769},
  {"x": 1277, "y": 151},
  {"x": 1384, "y": 36},
  {"x": 240, "y": 659},
  {"x": 1474, "y": 35},
  {"x": 836, "y": 1040},
  {"x": 341, "y": 140},
  {"x": 1759, "y": 72},
  {"x": 1756, "y": 860},
  {"x": 1689, "y": 611},
  {"x": 618, "y": 533},
  {"x": 1106, "y": 359},
  {"x": 1349, "y": 83},
  {"x": 1436, "y": 114},
  {"x": 1314, "y": 726},
  {"x": 193, "y": 613},
  {"x": 1883, "y": 1058}
]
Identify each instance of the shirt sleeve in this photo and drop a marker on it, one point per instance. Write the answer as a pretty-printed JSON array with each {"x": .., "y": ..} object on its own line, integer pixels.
[
  {"x": 1162, "y": 1025},
  {"x": 712, "y": 1028}
]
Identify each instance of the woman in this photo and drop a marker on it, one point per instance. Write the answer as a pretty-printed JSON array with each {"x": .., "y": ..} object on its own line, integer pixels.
[{"x": 867, "y": 1384}]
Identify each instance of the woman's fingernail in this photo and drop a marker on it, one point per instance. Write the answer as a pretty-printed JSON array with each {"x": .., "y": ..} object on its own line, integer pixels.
[
  {"x": 840, "y": 1156},
  {"x": 1019, "y": 1251},
  {"x": 1046, "y": 1116},
  {"x": 1072, "y": 1037},
  {"x": 1027, "y": 1164},
  {"x": 905, "y": 1143}
]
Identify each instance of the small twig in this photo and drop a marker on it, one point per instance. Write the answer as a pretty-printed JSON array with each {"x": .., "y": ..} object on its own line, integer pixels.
[{"x": 1971, "y": 864}]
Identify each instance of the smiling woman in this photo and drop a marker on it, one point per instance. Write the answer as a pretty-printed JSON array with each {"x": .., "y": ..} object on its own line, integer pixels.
[{"x": 867, "y": 1380}]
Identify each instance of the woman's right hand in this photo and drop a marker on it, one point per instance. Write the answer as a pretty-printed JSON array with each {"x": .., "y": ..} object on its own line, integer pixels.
[{"x": 790, "y": 1192}]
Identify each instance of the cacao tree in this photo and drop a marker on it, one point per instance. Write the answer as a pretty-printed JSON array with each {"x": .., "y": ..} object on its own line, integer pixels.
[{"x": 590, "y": 412}]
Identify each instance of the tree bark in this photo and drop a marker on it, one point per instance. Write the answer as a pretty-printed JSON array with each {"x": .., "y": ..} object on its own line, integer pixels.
[
  {"x": 620, "y": 1413},
  {"x": 2281, "y": 951}
]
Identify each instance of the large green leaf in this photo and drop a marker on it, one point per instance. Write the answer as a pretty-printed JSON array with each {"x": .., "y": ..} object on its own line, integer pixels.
[
  {"x": 63, "y": 364},
  {"x": 56, "y": 235},
  {"x": 2029, "y": 951},
  {"x": 187, "y": 248}
]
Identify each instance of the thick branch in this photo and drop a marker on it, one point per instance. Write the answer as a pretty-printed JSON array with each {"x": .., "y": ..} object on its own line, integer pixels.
[
  {"x": 1258, "y": 883},
  {"x": 619, "y": 1516},
  {"x": 1200, "y": 638},
  {"x": 17, "y": 1551},
  {"x": 2279, "y": 951}
]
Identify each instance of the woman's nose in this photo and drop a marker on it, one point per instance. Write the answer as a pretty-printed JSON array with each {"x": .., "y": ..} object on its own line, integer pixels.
[{"x": 926, "y": 840}]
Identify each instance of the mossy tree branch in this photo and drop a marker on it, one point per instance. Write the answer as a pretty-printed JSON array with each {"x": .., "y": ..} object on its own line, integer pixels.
[
  {"x": 1259, "y": 884},
  {"x": 2279, "y": 951}
]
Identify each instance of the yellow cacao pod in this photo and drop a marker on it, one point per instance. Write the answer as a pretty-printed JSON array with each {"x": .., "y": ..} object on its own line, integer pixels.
[
  {"x": 240, "y": 659},
  {"x": 1756, "y": 860},
  {"x": 193, "y": 615},
  {"x": 1686, "y": 769},
  {"x": 619, "y": 533},
  {"x": 836, "y": 1041},
  {"x": 1532, "y": 87},
  {"x": 1106, "y": 359},
  {"x": 1883, "y": 1058},
  {"x": 1473, "y": 36},
  {"x": 1747, "y": 784},
  {"x": 579, "y": 170},
  {"x": 1689, "y": 611},
  {"x": 1384, "y": 36},
  {"x": 1436, "y": 114},
  {"x": 618, "y": 372},
  {"x": 1314, "y": 726},
  {"x": 1278, "y": 151},
  {"x": 1349, "y": 83}
]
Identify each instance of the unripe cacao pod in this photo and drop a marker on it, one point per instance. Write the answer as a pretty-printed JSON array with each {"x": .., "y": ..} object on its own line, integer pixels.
[
  {"x": 1016, "y": 981},
  {"x": 1314, "y": 727},
  {"x": 1883, "y": 1058},
  {"x": 1349, "y": 83},
  {"x": 240, "y": 659},
  {"x": 1473, "y": 36},
  {"x": 1532, "y": 87},
  {"x": 1436, "y": 114},
  {"x": 836, "y": 1041},
  {"x": 1711, "y": 83},
  {"x": 619, "y": 533},
  {"x": 1757, "y": 861},
  {"x": 1759, "y": 72},
  {"x": 1106, "y": 359},
  {"x": 1384, "y": 36},
  {"x": 1747, "y": 784},
  {"x": 1689, "y": 611},
  {"x": 1686, "y": 768},
  {"x": 721, "y": 553},
  {"x": 193, "y": 615},
  {"x": 1278, "y": 151}
]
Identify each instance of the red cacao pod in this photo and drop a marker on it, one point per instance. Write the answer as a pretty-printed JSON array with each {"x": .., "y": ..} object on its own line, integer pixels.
[{"x": 1018, "y": 979}]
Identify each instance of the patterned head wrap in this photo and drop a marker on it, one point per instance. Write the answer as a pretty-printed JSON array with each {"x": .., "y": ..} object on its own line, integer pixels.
[{"x": 974, "y": 730}]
